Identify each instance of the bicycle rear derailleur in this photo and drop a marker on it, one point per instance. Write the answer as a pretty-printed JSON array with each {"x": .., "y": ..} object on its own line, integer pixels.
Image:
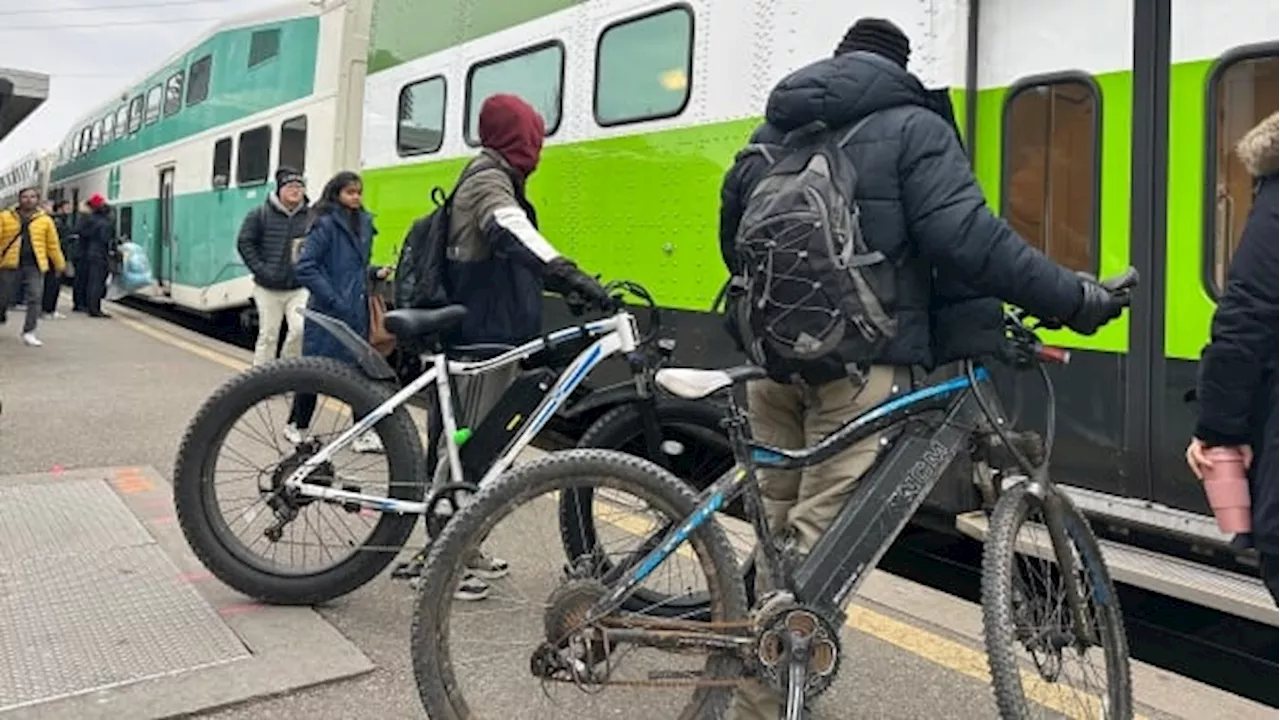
[{"x": 797, "y": 649}]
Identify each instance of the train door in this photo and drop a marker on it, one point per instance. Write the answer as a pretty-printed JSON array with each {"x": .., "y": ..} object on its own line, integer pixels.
[
  {"x": 1052, "y": 150},
  {"x": 165, "y": 247},
  {"x": 1222, "y": 81}
]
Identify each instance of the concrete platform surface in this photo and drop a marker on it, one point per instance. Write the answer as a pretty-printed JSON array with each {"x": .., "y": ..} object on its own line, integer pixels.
[
  {"x": 117, "y": 394},
  {"x": 105, "y": 613}
]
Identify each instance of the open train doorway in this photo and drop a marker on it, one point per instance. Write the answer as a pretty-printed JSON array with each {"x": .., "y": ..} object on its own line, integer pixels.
[{"x": 162, "y": 258}]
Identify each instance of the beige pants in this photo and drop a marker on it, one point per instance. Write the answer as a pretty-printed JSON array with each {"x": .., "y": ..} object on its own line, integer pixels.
[
  {"x": 803, "y": 503},
  {"x": 275, "y": 306}
]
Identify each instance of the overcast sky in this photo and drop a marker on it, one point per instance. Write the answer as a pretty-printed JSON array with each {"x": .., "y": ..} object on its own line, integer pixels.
[{"x": 91, "y": 50}]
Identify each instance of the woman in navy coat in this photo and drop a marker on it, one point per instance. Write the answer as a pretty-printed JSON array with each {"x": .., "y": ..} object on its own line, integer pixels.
[{"x": 334, "y": 267}]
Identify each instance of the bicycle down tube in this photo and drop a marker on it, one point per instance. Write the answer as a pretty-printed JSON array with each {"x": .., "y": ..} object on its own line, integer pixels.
[
  {"x": 881, "y": 504},
  {"x": 616, "y": 334}
]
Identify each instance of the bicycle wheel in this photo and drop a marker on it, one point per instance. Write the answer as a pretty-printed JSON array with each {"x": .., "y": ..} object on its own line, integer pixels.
[
  {"x": 510, "y": 516},
  {"x": 209, "y": 533},
  {"x": 1019, "y": 614},
  {"x": 696, "y": 450}
]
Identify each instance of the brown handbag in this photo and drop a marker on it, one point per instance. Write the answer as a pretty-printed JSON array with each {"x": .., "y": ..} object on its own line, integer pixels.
[{"x": 381, "y": 340}]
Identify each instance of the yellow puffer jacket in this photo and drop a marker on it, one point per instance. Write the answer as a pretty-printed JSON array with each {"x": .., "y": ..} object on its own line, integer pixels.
[{"x": 44, "y": 240}]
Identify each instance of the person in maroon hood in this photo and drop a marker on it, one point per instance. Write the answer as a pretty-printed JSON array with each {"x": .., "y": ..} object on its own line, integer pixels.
[{"x": 497, "y": 266}]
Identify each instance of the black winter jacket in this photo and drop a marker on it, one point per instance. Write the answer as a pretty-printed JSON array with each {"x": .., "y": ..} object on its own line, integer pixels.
[
  {"x": 920, "y": 205},
  {"x": 1237, "y": 384},
  {"x": 96, "y": 236},
  {"x": 266, "y": 243}
]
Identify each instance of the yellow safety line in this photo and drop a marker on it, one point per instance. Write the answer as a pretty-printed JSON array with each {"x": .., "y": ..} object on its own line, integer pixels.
[{"x": 917, "y": 641}]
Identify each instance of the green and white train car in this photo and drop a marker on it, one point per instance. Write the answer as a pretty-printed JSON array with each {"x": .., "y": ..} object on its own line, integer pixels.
[
  {"x": 187, "y": 151},
  {"x": 31, "y": 171},
  {"x": 1101, "y": 130}
]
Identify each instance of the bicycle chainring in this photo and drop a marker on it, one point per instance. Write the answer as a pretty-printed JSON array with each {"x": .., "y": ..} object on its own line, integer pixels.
[{"x": 777, "y": 626}]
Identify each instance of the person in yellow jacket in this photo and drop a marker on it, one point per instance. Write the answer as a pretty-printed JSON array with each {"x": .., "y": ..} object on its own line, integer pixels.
[{"x": 29, "y": 247}]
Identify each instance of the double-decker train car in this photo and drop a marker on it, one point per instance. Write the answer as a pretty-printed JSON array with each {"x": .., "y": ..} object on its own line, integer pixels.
[
  {"x": 1101, "y": 131},
  {"x": 32, "y": 171},
  {"x": 187, "y": 151}
]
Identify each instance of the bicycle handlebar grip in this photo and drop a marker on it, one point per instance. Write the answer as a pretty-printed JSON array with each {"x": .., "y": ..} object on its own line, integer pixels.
[{"x": 1056, "y": 355}]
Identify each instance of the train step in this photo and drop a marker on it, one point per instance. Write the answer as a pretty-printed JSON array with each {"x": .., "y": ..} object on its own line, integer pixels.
[{"x": 1221, "y": 590}]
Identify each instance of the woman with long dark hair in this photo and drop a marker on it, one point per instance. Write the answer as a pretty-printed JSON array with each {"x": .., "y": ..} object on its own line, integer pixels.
[{"x": 334, "y": 267}]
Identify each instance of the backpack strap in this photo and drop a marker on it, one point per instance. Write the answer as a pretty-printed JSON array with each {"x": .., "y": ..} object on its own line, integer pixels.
[{"x": 844, "y": 140}]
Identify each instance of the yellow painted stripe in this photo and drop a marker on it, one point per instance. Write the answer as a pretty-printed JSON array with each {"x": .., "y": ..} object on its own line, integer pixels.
[{"x": 917, "y": 641}]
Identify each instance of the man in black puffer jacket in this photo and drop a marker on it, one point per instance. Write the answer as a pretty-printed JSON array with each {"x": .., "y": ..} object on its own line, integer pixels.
[
  {"x": 922, "y": 208},
  {"x": 270, "y": 240}
]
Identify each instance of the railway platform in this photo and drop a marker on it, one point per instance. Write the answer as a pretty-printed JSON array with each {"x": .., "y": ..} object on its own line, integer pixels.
[{"x": 105, "y": 613}]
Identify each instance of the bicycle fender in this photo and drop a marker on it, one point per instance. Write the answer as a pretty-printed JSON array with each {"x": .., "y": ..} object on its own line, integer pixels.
[{"x": 370, "y": 361}]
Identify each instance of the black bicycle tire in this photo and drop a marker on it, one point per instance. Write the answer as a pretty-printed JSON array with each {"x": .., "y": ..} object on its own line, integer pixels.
[
  {"x": 215, "y": 418},
  {"x": 557, "y": 471},
  {"x": 612, "y": 431},
  {"x": 997, "y": 600}
]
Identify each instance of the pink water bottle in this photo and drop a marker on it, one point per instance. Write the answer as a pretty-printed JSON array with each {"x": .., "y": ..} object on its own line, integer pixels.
[{"x": 1227, "y": 488}]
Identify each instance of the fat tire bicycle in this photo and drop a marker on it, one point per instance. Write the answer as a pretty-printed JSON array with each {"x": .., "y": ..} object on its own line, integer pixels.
[
  {"x": 370, "y": 389},
  {"x": 789, "y": 638}
]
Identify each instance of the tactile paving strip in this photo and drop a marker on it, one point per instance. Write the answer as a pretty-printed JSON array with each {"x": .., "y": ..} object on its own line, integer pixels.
[{"x": 113, "y": 610}]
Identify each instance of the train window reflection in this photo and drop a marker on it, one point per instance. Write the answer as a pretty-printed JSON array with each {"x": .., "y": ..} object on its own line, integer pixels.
[
  {"x": 536, "y": 74},
  {"x": 643, "y": 66},
  {"x": 1242, "y": 94},
  {"x": 1050, "y": 178},
  {"x": 420, "y": 115}
]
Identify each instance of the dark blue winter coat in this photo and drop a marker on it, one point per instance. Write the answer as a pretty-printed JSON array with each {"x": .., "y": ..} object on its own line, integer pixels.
[{"x": 334, "y": 268}]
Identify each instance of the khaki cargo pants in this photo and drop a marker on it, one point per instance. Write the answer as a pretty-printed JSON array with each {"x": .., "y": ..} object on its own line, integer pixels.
[{"x": 804, "y": 503}]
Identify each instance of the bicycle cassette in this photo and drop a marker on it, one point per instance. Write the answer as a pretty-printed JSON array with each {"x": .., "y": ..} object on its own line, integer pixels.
[{"x": 784, "y": 628}]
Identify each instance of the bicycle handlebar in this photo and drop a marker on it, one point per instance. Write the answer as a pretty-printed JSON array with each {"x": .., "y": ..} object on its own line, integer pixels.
[{"x": 1023, "y": 348}]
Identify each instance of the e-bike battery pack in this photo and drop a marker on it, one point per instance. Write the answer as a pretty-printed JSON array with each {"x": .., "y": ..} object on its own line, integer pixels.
[{"x": 504, "y": 422}]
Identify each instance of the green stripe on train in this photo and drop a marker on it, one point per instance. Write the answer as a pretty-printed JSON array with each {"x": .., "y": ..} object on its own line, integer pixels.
[
  {"x": 205, "y": 227},
  {"x": 235, "y": 90}
]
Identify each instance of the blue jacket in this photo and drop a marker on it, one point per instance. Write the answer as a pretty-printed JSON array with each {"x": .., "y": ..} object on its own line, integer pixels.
[{"x": 334, "y": 268}]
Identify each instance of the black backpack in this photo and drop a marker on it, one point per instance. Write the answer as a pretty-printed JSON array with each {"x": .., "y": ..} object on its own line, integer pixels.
[
  {"x": 420, "y": 278},
  {"x": 807, "y": 301}
]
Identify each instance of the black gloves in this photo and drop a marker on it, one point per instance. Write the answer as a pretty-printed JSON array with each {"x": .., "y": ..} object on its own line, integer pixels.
[
  {"x": 1099, "y": 305},
  {"x": 564, "y": 278}
]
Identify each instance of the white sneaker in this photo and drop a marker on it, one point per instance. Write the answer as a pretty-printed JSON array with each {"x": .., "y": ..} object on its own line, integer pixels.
[
  {"x": 487, "y": 566},
  {"x": 30, "y": 340},
  {"x": 55, "y": 315},
  {"x": 292, "y": 434},
  {"x": 367, "y": 443},
  {"x": 471, "y": 588}
]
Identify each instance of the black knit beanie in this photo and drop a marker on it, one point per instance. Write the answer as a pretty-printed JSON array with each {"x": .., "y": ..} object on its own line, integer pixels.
[{"x": 879, "y": 36}]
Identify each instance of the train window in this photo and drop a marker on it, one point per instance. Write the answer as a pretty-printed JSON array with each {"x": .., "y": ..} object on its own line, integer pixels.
[
  {"x": 1050, "y": 177},
  {"x": 535, "y": 74},
  {"x": 643, "y": 67},
  {"x": 293, "y": 144},
  {"x": 198, "y": 80},
  {"x": 122, "y": 121},
  {"x": 85, "y": 135},
  {"x": 420, "y": 129},
  {"x": 263, "y": 45},
  {"x": 253, "y": 165},
  {"x": 221, "y": 163},
  {"x": 124, "y": 230},
  {"x": 1242, "y": 92},
  {"x": 135, "y": 114},
  {"x": 108, "y": 128},
  {"x": 95, "y": 140},
  {"x": 173, "y": 94},
  {"x": 153, "y": 105}
]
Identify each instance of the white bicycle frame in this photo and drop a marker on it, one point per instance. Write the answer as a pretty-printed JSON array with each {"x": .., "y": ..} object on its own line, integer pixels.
[{"x": 617, "y": 334}]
